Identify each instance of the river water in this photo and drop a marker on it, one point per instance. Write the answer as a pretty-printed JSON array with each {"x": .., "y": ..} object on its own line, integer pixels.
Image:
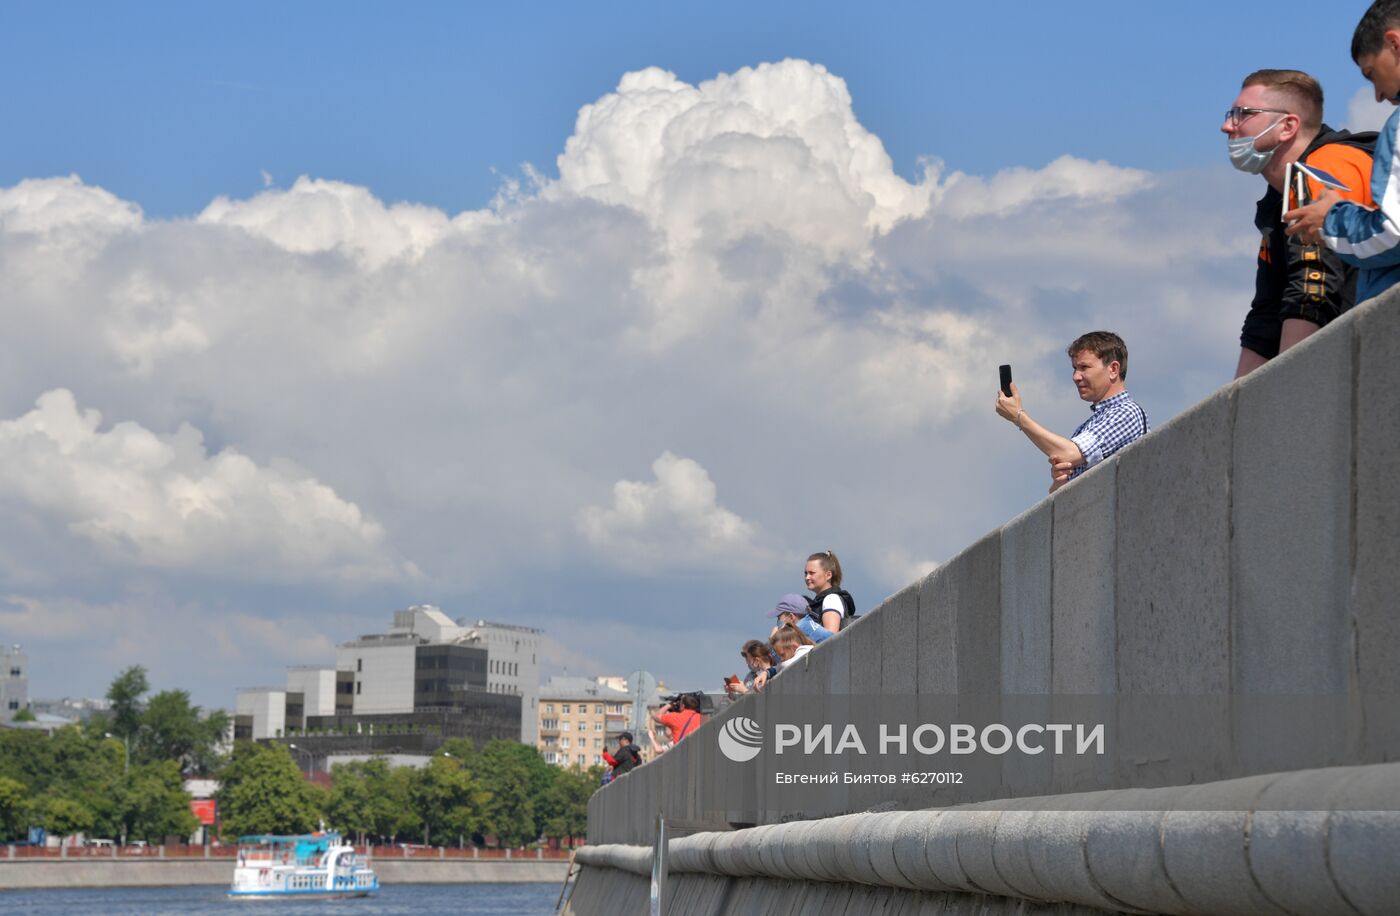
[{"x": 396, "y": 900}]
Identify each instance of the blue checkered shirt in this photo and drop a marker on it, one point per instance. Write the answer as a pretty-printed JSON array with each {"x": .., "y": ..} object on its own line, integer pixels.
[{"x": 1113, "y": 423}]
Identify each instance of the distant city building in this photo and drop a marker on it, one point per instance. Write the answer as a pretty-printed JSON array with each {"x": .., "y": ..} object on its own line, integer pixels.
[
  {"x": 513, "y": 667},
  {"x": 579, "y": 718},
  {"x": 405, "y": 691},
  {"x": 14, "y": 682},
  {"x": 417, "y": 761},
  {"x": 73, "y": 709},
  {"x": 260, "y": 712}
]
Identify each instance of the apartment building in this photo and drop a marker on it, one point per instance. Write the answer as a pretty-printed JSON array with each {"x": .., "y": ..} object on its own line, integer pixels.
[{"x": 579, "y": 718}]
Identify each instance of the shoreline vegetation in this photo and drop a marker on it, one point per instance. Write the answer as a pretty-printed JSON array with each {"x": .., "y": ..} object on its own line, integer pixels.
[{"x": 116, "y": 783}]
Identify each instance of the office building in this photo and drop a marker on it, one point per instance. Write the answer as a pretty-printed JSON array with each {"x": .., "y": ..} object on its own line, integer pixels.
[
  {"x": 513, "y": 667},
  {"x": 14, "y": 682},
  {"x": 405, "y": 691}
]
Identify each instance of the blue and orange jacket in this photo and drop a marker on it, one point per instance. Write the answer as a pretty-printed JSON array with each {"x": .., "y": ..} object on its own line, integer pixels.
[{"x": 1366, "y": 238}]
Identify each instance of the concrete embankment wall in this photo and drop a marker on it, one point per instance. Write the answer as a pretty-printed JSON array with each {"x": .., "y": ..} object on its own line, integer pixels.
[
  {"x": 1247, "y": 553},
  {"x": 1251, "y": 546},
  {"x": 32, "y": 874},
  {"x": 1315, "y": 841}
]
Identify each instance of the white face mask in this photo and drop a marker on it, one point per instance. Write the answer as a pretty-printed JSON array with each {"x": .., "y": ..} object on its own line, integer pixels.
[{"x": 1245, "y": 157}]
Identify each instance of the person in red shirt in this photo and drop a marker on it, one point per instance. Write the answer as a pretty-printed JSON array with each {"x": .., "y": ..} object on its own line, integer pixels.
[{"x": 682, "y": 717}]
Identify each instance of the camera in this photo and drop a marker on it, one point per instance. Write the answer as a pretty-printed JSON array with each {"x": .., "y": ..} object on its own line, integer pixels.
[{"x": 676, "y": 701}]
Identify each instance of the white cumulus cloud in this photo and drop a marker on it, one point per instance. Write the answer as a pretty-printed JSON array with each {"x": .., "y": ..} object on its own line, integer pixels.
[
  {"x": 324, "y": 216},
  {"x": 725, "y": 155},
  {"x": 1365, "y": 113},
  {"x": 672, "y": 522},
  {"x": 165, "y": 502},
  {"x": 1068, "y": 179},
  {"x": 39, "y": 205},
  {"x": 897, "y": 568},
  {"x": 730, "y": 268}
]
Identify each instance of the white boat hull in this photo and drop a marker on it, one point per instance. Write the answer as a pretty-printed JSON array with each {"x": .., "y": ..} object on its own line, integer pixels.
[{"x": 272, "y": 868}]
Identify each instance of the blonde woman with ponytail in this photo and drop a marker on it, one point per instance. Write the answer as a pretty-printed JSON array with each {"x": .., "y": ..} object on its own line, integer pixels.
[{"x": 830, "y": 604}]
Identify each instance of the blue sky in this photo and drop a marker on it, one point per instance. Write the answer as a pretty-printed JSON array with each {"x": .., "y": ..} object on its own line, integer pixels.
[
  {"x": 171, "y": 104},
  {"x": 243, "y": 418}
]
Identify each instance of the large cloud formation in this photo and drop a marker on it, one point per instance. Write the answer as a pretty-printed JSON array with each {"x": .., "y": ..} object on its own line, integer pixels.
[
  {"x": 164, "y": 502},
  {"x": 732, "y": 271}
]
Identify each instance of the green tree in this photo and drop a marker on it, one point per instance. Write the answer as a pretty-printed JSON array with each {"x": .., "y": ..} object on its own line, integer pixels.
[
  {"x": 262, "y": 791},
  {"x": 447, "y": 798},
  {"x": 125, "y": 695},
  {"x": 71, "y": 763},
  {"x": 172, "y": 728},
  {"x": 26, "y": 757},
  {"x": 517, "y": 779},
  {"x": 25, "y": 715},
  {"x": 155, "y": 804},
  {"x": 404, "y": 820},
  {"x": 14, "y": 809},
  {"x": 369, "y": 798},
  {"x": 461, "y": 748},
  {"x": 565, "y": 806},
  {"x": 349, "y": 807},
  {"x": 62, "y": 816}
]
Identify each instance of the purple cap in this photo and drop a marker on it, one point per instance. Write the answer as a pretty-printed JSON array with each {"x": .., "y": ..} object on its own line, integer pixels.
[{"x": 790, "y": 604}]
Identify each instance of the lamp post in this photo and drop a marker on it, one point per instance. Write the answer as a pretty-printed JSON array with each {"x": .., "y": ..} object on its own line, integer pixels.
[{"x": 311, "y": 758}]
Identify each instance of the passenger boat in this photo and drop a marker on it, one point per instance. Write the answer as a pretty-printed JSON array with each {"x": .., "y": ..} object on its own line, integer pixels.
[{"x": 313, "y": 865}]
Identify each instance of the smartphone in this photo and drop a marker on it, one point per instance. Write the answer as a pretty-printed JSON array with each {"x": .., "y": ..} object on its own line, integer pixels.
[
  {"x": 732, "y": 679},
  {"x": 1006, "y": 380}
]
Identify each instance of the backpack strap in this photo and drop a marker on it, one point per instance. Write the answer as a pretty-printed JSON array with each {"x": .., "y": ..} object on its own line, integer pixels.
[
  {"x": 693, "y": 716},
  {"x": 849, "y": 601},
  {"x": 848, "y": 604}
]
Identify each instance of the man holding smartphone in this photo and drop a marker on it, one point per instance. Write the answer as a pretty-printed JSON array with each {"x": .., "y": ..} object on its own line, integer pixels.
[{"x": 1099, "y": 361}]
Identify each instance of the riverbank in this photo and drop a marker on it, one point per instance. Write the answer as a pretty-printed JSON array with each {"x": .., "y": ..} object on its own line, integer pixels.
[{"x": 57, "y": 873}]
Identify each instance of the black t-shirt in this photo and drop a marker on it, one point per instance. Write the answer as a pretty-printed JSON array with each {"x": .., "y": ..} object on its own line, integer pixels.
[{"x": 628, "y": 758}]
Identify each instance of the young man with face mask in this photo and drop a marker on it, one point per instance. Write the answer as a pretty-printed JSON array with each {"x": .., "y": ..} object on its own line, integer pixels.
[{"x": 1276, "y": 120}]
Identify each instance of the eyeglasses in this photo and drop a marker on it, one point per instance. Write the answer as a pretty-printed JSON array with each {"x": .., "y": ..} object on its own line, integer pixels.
[{"x": 1237, "y": 116}]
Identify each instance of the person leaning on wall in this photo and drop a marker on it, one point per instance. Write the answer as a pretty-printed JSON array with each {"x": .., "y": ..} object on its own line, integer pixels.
[{"x": 1299, "y": 287}]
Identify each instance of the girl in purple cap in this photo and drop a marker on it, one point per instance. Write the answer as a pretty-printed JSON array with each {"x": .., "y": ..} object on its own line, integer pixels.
[{"x": 792, "y": 610}]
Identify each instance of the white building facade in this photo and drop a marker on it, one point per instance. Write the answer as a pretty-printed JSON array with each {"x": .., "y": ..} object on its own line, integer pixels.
[
  {"x": 317, "y": 688},
  {"x": 260, "y": 712}
]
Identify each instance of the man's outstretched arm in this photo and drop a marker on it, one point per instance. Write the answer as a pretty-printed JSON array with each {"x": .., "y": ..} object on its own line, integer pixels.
[{"x": 1051, "y": 444}]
